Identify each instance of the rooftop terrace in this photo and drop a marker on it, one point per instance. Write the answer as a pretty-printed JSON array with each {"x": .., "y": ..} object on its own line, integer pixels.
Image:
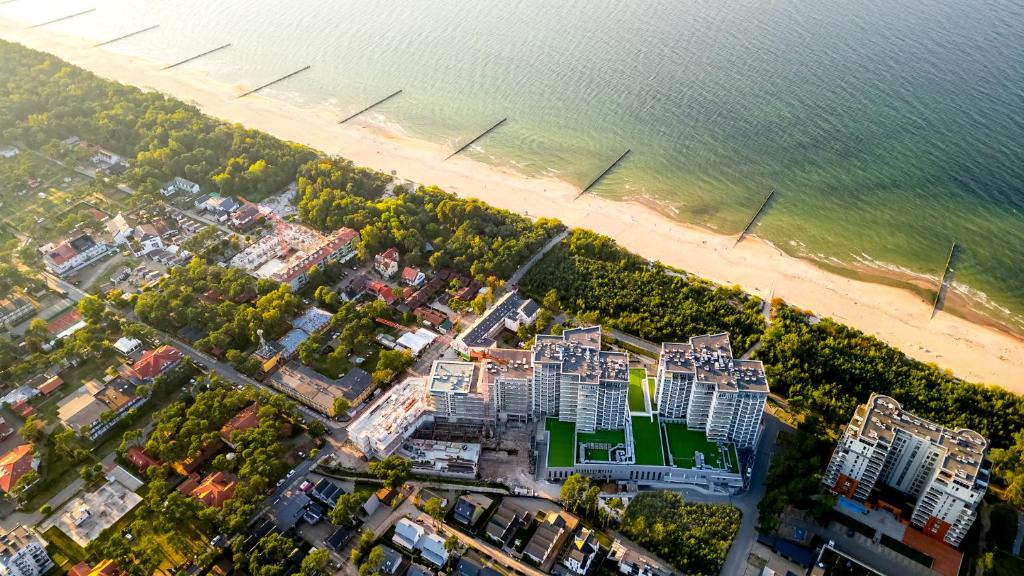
[{"x": 683, "y": 444}]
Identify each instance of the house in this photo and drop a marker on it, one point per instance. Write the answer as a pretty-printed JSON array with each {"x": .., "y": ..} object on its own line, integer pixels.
[
  {"x": 191, "y": 483},
  {"x": 407, "y": 534},
  {"x": 327, "y": 492},
  {"x": 105, "y": 158},
  {"x": 469, "y": 508},
  {"x": 429, "y": 317},
  {"x": 178, "y": 184},
  {"x": 51, "y": 384},
  {"x": 220, "y": 206},
  {"x": 469, "y": 567},
  {"x": 393, "y": 561},
  {"x": 23, "y": 553},
  {"x": 216, "y": 489},
  {"x": 200, "y": 202},
  {"x": 412, "y": 276},
  {"x": 385, "y": 496},
  {"x": 8, "y": 152},
  {"x": 245, "y": 217},
  {"x": 634, "y": 563},
  {"x": 583, "y": 549},
  {"x": 5, "y": 429},
  {"x": 140, "y": 459},
  {"x": 314, "y": 513},
  {"x": 73, "y": 254},
  {"x": 15, "y": 464},
  {"x": 383, "y": 291},
  {"x": 145, "y": 239},
  {"x": 431, "y": 548},
  {"x": 155, "y": 362},
  {"x": 419, "y": 570},
  {"x": 547, "y": 538},
  {"x": 505, "y": 522},
  {"x": 14, "y": 309},
  {"x": 386, "y": 263},
  {"x": 127, "y": 346},
  {"x": 192, "y": 463},
  {"x": 119, "y": 229},
  {"x": 337, "y": 540},
  {"x": 96, "y": 407},
  {"x": 246, "y": 419}
]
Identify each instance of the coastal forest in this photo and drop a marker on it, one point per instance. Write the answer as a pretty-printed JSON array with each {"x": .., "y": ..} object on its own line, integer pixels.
[{"x": 820, "y": 369}]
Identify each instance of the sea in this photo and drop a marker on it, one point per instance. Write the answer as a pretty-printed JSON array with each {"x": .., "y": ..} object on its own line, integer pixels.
[{"x": 888, "y": 129}]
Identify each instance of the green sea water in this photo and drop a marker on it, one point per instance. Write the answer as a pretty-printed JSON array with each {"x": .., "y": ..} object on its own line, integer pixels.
[{"x": 888, "y": 128}]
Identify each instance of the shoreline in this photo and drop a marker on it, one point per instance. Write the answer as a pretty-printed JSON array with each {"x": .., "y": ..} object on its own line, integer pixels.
[{"x": 971, "y": 347}]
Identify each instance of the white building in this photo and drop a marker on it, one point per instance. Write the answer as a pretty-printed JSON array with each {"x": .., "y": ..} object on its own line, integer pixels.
[
  {"x": 179, "y": 184},
  {"x": 23, "y": 553},
  {"x": 120, "y": 231},
  {"x": 942, "y": 470},
  {"x": 508, "y": 374},
  {"x": 72, "y": 254},
  {"x": 416, "y": 537},
  {"x": 577, "y": 381},
  {"x": 8, "y": 152},
  {"x": 292, "y": 251},
  {"x": 702, "y": 383},
  {"x": 392, "y": 418},
  {"x": 508, "y": 313},
  {"x": 457, "y": 392}
]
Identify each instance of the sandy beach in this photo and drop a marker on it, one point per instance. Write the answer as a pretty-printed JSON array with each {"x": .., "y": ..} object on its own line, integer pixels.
[{"x": 970, "y": 350}]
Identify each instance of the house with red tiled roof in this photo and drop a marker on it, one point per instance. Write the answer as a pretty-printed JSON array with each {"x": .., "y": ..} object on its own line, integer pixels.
[
  {"x": 386, "y": 263},
  {"x": 247, "y": 419},
  {"x": 138, "y": 457},
  {"x": 191, "y": 483},
  {"x": 216, "y": 489},
  {"x": 14, "y": 465},
  {"x": 192, "y": 463},
  {"x": 383, "y": 291},
  {"x": 72, "y": 254},
  {"x": 412, "y": 276},
  {"x": 51, "y": 384},
  {"x": 155, "y": 362},
  {"x": 63, "y": 322}
]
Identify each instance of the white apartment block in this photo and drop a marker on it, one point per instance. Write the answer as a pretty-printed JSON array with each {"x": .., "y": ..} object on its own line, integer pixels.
[
  {"x": 508, "y": 375},
  {"x": 700, "y": 382},
  {"x": 72, "y": 254},
  {"x": 457, "y": 393},
  {"x": 23, "y": 553},
  {"x": 577, "y": 381},
  {"x": 942, "y": 471}
]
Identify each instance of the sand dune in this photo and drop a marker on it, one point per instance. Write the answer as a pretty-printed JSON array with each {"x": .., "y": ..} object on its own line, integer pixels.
[{"x": 972, "y": 351}]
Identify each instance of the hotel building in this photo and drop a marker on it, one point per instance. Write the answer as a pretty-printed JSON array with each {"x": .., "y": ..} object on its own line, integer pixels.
[{"x": 942, "y": 472}]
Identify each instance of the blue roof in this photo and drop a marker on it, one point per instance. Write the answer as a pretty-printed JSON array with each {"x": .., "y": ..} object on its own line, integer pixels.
[{"x": 794, "y": 552}]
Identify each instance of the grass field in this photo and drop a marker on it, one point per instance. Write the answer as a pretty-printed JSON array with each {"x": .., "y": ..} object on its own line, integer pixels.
[
  {"x": 561, "y": 442},
  {"x": 612, "y": 437},
  {"x": 651, "y": 391},
  {"x": 683, "y": 443},
  {"x": 647, "y": 441},
  {"x": 637, "y": 376}
]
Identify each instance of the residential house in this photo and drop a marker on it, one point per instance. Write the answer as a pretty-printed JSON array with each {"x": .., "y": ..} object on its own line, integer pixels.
[
  {"x": 145, "y": 239},
  {"x": 246, "y": 419},
  {"x": 469, "y": 508},
  {"x": 245, "y": 217},
  {"x": 413, "y": 277},
  {"x": 327, "y": 492},
  {"x": 15, "y": 464},
  {"x": 14, "y": 309},
  {"x": 96, "y": 407},
  {"x": 337, "y": 540},
  {"x": 408, "y": 534},
  {"x": 547, "y": 538},
  {"x": 393, "y": 563},
  {"x": 140, "y": 459},
  {"x": 634, "y": 562},
  {"x": 23, "y": 553},
  {"x": 431, "y": 549},
  {"x": 470, "y": 567},
  {"x": 119, "y": 230},
  {"x": 178, "y": 184},
  {"x": 419, "y": 570},
  {"x": 73, "y": 254},
  {"x": 386, "y": 263},
  {"x": 216, "y": 489},
  {"x": 50, "y": 385},
  {"x": 127, "y": 346},
  {"x": 8, "y": 152},
  {"x": 583, "y": 549},
  {"x": 155, "y": 362}
]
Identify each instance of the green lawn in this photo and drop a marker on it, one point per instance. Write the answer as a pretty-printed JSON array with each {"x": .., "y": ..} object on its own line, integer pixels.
[
  {"x": 611, "y": 437},
  {"x": 64, "y": 551},
  {"x": 596, "y": 455},
  {"x": 636, "y": 389},
  {"x": 647, "y": 441},
  {"x": 651, "y": 382},
  {"x": 561, "y": 442},
  {"x": 683, "y": 443}
]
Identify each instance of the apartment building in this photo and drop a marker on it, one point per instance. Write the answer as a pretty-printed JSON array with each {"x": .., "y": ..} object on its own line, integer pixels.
[
  {"x": 942, "y": 471},
  {"x": 73, "y": 254},
  {"x": 508, "y": 374},
  {"x": 23, "y": 553},
  {"x": 457, "y": 393},
  {"x": 577, "y": 381},
  {"x": 702, "y": 383}
]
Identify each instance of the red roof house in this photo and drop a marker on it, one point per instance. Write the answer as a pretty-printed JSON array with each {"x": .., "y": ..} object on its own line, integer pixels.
[
  {"x": 14, "y": 465},
  {"x": 155, "y": 362},
  {"x": 216, "y": 489},
  {"x": 191, "y": 483},
  {"x": 104, "y": 568},
  {"x": 247, "y": 419},
  {"x": 50, "y": 385},
  {"x": 138, "y": 457},
  {"x": 63, "y": 322}
]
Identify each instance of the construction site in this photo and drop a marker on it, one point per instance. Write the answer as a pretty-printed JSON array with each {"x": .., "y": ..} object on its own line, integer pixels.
[{"x": 288, "y": 253}]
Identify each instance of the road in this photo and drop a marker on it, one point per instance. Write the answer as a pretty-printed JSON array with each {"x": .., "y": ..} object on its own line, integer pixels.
[
  {"x": 518, "y": 274},
  {"x": 632, "y": 340}
]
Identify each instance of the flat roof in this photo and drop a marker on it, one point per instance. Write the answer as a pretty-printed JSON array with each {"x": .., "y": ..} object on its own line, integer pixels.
[
  {"x": 452, "y": 376},
  {"x": 637, "y": 380},
  {"x": 708, "y": 358},
  {"x": 647, "y": 441},
  {"x": 684, "y": 443}
]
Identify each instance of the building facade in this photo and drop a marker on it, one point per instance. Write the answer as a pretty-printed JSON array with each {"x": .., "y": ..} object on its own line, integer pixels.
[
  {"x": 74, "y": 253},
  {"x": 457, "y": 393},
  {"x": 23, "y": 553},
  {"x": 702, "y": 383},
  {"x": 943, "y": 472}
]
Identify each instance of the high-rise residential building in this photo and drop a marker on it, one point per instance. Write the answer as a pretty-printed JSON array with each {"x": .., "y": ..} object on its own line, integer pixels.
[
  {"x": 577, "y": 381},
  {"x": 508, "y": 375},
  {"x": 23, "y": 553},
  {"x": 942, "y": 471},
  {"x": 700, "y": 382},
  {"x": 457, "y": 393}
]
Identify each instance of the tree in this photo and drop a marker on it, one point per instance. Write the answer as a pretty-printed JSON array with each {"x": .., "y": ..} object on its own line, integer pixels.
[
  {"x": 550, "y": 301},
  {"x": 574, "y": 491},
  {"x": 451, "y": 544},
  {"x": 91, "y": 473},
  {"x": 92, "y": 309},
  {"x": 345, "y": 509},
  {"x": 314, "y": 563},
  {"x": 362, "y": 546},
  {"x": 393, "y": 471},
  {"x": 341, "y": 406},
  {"x": 316, "y": 429},
  {"x": 374, "y": 560},
  {"x": 45, "y": 509},
  {"x": 435, "y": 509},
  {"x": 32, "y": 430}
]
